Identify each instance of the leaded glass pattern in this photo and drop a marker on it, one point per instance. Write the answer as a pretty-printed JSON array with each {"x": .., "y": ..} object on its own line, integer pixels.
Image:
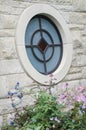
[{"x": 43, "y": 44}]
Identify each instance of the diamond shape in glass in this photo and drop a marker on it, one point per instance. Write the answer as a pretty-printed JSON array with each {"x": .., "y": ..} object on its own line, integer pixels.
[{"x": 42, "y": 45}]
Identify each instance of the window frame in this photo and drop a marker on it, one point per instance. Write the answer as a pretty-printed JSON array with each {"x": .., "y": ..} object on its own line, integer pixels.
[{"x": 53, "y": 14}]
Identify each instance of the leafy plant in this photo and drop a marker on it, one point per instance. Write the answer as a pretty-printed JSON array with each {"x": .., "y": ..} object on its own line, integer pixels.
[
  {"x": 46, "y": 112},
  {"x": 66, "y": 111}
]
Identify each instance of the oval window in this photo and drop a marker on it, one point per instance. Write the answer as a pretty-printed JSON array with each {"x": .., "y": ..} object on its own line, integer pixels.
[{"x": 43, "y": 44}]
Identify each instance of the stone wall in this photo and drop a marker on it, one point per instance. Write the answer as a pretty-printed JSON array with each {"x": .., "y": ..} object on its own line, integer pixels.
[{"x": 74, "y": 13}]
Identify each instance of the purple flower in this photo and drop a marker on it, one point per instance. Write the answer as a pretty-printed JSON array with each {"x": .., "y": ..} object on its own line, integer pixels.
[
  {"x": 81, "y": 88},
  {"x": 13, "y": 105},
  {"x": 11, "y": 123},
  {"x": 17, "y": 86},
  {"x": 65, "y": 85},
  {"x": 62, "y": 96},
  {"x": 80, "y": 98},
  {"x": 20, "y": 95},
  {"x": 10, "y": 93}
]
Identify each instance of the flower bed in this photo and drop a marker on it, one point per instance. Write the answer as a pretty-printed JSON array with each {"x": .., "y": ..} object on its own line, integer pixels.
[{"x": 63, "y": 111}]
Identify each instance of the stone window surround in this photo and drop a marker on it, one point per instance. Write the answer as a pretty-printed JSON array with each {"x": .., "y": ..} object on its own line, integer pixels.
[{"x": 55, "y": 16}]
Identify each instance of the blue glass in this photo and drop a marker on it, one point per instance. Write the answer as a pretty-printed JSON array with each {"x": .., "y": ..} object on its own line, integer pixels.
[
  {"x": 31, "y": 27},
  {"x": 43, "y": 44},
  {"x": 53, "y": 63},
  {"x": 48, "y": 53},
  {"x": 38, "y": 53},
  {"x": 37, "y": 65},
  {"x": 36, "y": 38},
  {"x": 47, "y": 38},
  {"x": 50, "y": 28}
]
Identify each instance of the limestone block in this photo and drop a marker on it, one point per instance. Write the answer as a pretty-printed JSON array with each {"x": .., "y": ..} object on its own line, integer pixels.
[
  {"x": 75, "y": 70},
  {"x": 80, "y": 5},
  {"x": 60, "y": 7},
  {"x": 74, "y": 83},
  {"x": 83, "y": 32},
  {"x": 8, "y": 9},
  {"x": 84, "y": 50},
  {"x": 76, "y": 31},
  {"x": 83, "y": 82},
  {"x": 83, "y": 36},
  {"x": 76, "y": 35},
  {"x": 3, "y": 87},
  {"x": 28, "y": 100},
  {"x": 76, "y": 27},
  {"x": 80, "y": 51},
  {"x": 10, "y": 67},
  {"x": 64, "y": 1},
  {"x": 16, "y": 3},
  {"x": 8, "y": 82},
  {"x": 77, "y": 17},
  {"x": 77, "y": 44},
  {"x": 22, "y": 78},
  {"x": 7, "y": 48},
  {"x": 7, "y": 33},
  {"x": 79, "y": 61},
  {"x": 84, "y": 41},
  {"x": 65, "y": 15},
  {"x": 5, "y": 106},
  {"x": 8, "y": 21},
  {"x": 74, "y": 76},
  {"x": 1, "y": 121},
  {"x": 84, "y": 72}
]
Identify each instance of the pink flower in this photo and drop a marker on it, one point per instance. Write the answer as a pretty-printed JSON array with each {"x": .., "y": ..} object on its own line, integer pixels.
[
  {"x": 61, "y": 98},
  {"x": 81, "y": 88},
  {"x": 80, "y": 98},
  {"x": 65, "y": 85}
]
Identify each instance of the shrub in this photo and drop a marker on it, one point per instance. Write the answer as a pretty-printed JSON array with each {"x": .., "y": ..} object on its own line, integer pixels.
[{"x": 66, "y": 111}]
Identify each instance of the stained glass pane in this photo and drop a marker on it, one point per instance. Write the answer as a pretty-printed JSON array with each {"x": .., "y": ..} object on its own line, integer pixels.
[{"x": 43, "y": 44}]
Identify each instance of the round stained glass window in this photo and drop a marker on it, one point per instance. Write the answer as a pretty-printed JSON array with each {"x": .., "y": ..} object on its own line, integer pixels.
[{"x": 43, "y": 44}]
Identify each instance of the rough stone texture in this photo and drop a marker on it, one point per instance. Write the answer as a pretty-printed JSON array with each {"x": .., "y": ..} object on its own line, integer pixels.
[
  {"x": 8, "y": 21},
  {"x": 80, "y": 5},
  {"x": 77, "y": 17},
  {"x": 11, "y": 71},
  {"x": 7, "y": 47},
  {"x": 10, "y": 67},
  {"x": 7, "y": 33},
  {"x": 3, "y": 88},
  {"x": 1, "y": 121},
  {"x": 7, "y": 9}
]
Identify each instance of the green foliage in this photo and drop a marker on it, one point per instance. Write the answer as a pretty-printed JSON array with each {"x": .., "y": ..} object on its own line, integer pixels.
[
  {"x": 47, "y": 113},
  {"x": 75, "y": 119},
  {"x": 7, "y": 127},
  {"x": 45, "y": 108}
]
